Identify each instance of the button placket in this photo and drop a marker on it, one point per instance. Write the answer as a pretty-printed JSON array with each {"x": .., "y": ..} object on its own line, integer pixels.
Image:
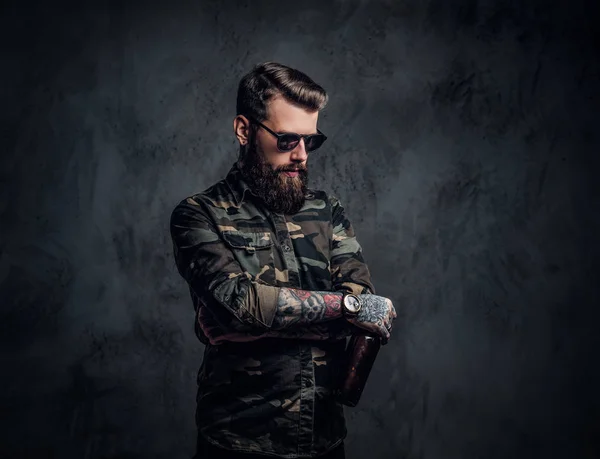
[{"x": 285, "y": 242}]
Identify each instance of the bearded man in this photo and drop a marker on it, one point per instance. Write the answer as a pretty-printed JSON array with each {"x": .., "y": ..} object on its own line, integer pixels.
[{"x": 278, "y": 282}]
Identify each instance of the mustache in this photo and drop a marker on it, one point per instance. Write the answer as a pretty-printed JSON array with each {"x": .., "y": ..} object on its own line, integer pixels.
[{"x": 291, "y": 169}]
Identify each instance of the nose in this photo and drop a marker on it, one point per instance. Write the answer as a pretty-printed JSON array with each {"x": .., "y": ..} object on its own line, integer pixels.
[{"x": 299, "y": 153}]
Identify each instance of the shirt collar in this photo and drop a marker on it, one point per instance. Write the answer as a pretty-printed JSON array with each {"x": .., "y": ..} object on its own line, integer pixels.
[{"x": 236, "y": 183}]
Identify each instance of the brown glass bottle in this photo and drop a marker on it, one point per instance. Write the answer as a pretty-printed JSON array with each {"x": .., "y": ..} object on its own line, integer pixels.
[{"x": 361, "y": 353}]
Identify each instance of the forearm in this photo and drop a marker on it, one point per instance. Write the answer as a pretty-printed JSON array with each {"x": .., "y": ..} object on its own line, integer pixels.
[
  {"x": 302, "y": 308},
  {"x": 295, "y": 314},
  {"x": 266, "y": 307}
]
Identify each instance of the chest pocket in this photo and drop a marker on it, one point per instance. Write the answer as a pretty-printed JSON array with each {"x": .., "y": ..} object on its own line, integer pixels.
[{"x": 254, "y": 252}]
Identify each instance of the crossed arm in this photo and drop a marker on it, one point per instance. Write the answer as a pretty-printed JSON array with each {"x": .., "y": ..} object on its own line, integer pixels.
[{"x": 241, "y": 304}]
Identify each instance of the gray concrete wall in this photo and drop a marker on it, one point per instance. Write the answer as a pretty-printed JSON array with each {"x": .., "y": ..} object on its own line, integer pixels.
[{"x": 463, "y": 143}]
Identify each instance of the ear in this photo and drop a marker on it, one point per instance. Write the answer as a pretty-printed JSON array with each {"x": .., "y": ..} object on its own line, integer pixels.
[{"x": 241, "y": 129}]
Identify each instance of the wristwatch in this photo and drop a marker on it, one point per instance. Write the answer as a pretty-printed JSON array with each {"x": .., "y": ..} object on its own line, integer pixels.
[{"x": 351, "y": 305}]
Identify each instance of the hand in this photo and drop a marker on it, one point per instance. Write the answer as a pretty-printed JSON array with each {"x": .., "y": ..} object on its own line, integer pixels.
[{"x": 375, "y": 315}]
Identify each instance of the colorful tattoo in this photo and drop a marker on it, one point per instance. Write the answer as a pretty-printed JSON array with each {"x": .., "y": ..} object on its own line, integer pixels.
[
  {"x": 333, "y": 304},
  {"x": 302, "y": 307}
]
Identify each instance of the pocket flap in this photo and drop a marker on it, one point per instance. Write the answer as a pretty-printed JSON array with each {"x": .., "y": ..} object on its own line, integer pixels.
[{"x": 247, "y": 240}]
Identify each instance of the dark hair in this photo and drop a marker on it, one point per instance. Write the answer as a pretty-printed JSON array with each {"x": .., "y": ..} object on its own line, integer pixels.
[{"x": 270, "y": 79}]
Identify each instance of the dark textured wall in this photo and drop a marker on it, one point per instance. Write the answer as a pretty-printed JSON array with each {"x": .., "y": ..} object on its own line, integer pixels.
[{"x": 463, "y": 143}]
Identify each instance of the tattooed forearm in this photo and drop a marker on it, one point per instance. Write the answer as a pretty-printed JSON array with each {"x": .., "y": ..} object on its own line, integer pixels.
[{"x": 302, "y": 307}]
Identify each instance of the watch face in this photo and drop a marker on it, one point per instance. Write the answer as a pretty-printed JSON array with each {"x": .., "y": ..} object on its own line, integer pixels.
[{"x": 352, "y": 304}]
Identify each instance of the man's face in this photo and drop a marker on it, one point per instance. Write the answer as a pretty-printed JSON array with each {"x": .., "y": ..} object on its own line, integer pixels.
[{"x": 279, "y": 178}]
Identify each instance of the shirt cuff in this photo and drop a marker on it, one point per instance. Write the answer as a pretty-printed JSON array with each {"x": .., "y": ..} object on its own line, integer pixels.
[{"x": 261, "y": 303}]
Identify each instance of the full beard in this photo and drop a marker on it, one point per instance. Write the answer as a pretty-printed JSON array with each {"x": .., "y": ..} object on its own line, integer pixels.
[{"x": 280, "y": 193}]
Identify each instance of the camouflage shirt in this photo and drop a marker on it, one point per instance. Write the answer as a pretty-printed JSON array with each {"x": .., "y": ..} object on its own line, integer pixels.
[{"x": 262, "y": 390}]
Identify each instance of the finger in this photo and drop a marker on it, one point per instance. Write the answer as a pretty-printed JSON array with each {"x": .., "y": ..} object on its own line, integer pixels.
[
  {"x": 385, "y": 338},
  {"x": 385, "y": 335}
]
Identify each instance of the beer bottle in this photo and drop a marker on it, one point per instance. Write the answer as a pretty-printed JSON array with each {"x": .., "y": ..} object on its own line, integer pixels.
[{"x": 361, "y": 353}]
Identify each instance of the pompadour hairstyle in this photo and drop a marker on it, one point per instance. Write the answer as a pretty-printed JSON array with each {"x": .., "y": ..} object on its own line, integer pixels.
[{"x": 270, "y": 79}]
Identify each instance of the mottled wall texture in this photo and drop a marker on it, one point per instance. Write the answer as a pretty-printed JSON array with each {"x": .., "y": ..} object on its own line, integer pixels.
[{"x": 464, "y": 143}]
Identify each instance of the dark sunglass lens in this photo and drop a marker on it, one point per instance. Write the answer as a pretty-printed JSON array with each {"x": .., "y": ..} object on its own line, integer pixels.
[
  {"x": 288, "y": 142},
  {"x": 314, "y": 142}
]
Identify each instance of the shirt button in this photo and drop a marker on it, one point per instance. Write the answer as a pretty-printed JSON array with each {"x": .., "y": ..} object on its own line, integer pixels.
[{"x": 286, "y": 248}]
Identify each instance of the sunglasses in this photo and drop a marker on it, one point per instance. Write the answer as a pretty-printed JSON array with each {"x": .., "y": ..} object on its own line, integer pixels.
[{"x": 287, "y": 141}]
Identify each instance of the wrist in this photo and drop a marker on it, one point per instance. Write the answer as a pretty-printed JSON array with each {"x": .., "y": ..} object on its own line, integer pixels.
[{"x": 351, "y": 306}]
